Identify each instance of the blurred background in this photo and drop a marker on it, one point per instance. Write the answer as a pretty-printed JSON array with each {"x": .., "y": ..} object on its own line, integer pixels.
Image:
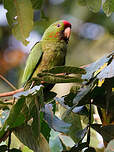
[{"x": 92, "y": 37}]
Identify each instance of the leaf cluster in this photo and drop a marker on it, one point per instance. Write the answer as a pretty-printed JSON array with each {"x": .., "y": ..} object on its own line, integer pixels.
[
  {"x": 97, "y": 90},
  {"x": 20, "y": 14},
  {"x": 32, "y": 114},
  {"x": 96, "y": 5}
]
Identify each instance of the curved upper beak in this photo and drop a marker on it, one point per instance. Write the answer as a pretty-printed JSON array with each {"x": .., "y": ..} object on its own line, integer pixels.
[{"x": 67, "y": 32}]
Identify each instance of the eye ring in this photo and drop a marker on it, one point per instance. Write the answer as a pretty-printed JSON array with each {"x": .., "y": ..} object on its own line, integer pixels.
[{"x": 58, "y": 25}]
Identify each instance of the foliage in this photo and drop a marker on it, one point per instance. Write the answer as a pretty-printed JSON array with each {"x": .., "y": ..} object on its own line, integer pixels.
[
  {"x": 30, "y": 111},
  {"x": 20, "y": 14},
  {"x": 95, "y": 5},
  {"x": 32, "y": 116},
  {"x": 20, "y": 18},
  {"x": 108, "y": 7},
  {"x": 110, "y": 146}
]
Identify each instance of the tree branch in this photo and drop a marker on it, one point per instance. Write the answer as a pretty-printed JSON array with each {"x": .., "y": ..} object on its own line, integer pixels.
[
  {"x": 18, "y": 90},
  {"x": 9, "y": 83},
  {"x": 11, "y": 93}
]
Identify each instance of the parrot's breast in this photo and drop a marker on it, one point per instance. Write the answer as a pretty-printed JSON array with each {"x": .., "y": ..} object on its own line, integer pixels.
[{"x": 53, "y": 55}]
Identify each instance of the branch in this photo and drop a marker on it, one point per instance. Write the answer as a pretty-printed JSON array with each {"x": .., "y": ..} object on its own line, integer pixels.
[
  {"x": 9, "y": 83},
  {"x": 21, "y": 89},
  {"x": 84, "y": 66},
  {"x": 11, "y": 93}
]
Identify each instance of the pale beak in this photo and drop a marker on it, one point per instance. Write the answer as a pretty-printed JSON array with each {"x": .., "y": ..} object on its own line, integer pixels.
[{"x": 67, "y": 32}]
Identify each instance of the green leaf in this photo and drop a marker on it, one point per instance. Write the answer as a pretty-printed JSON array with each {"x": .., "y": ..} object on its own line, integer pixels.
[
  {"x": 94, "y": 5},
  {"x": 49, "y": 96},
  {"x": 43, "y": 16},
  {"x": 26, "y": 149},
  {"x": 15, "y": 150},
  {"x": 54, "y": 142},
  {"x": 82, "y": 94},
  {"x": 36, "y": 103},
  {"x": 108, "y": 7},
  {"x": 16, "y": 118},
  {"x": 81, "y": 133},
  {"x": 66, "y": 69},
  {"x": 20, "y": 18},
  {"x": 37, "y": 4},
  {"x": 68, "y": 99},
  {"x": 107, "y": 72},
  {"x": 44, "y": 146},
  {"x": 107, "y": 132},
  {"x": 4, "y": 106},
  {"x": 82, "y": 2},
  {"x": 25, "y": 135},
  {"x": 3, "y": 148},
  {"x": 51, "y": 78},
  {"x": 66, "y": 141},
  {"x": 76, "y": 125},
  {"x": 94, "y": 67},
  {"x": 45, "y": 130},
  {"x": 36, "y": 113},
  {"x": 81, "y": 110},
  {"x": 53, "y": 121},
  {"x": 29, "y": 92},
  {"x": 35, "y": 126},
  {"x": 18, "y": 113},
  {"x": 110, "y": 146}
]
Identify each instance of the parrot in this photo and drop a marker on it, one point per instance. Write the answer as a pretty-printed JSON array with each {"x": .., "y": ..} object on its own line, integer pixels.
[{"x": 50, "y": 51}]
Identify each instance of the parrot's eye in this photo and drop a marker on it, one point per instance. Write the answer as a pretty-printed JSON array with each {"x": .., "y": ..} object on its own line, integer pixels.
[{"x": 58, "y": 25}]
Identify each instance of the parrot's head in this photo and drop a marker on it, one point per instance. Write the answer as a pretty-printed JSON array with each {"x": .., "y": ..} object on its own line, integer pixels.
[{"x": 57, "y": 31}]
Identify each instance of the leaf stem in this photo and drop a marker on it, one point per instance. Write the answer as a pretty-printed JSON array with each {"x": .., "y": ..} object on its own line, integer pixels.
[
  {"x": 9, "y": 83},
  {"x": 11, "y": 93}
]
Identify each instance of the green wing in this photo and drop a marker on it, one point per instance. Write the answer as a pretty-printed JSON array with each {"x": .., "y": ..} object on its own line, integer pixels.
[{"x": 32, "y": 61}]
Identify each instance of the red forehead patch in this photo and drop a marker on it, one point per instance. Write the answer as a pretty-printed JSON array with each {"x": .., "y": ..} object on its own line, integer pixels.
[{"x": 66, "y": 23}]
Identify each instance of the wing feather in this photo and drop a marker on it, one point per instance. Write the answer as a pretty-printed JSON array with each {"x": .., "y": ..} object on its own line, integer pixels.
[{"x": 32, "y": 61}]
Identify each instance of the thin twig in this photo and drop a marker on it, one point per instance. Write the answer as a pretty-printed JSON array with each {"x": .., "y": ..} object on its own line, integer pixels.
[
  {"x": 85, "y": 66},
  {"x": 9, "y": 83},
  {"x": 11, "y": 93}
]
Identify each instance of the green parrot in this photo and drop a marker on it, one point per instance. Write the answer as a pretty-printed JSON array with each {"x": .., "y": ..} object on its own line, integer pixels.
[{"x": 50, "y": 51}]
